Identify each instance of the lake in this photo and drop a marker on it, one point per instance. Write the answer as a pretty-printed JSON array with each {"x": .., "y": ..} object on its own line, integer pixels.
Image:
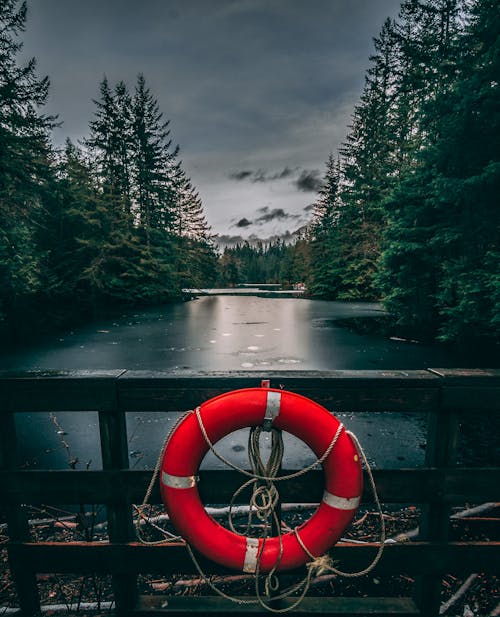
[
  {"x": 228, "y": 333},
  {"x": 222, "y": 333}
]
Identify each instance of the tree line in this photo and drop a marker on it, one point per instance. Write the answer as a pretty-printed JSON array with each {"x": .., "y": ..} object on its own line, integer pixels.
[
  {"x": 409, "y": 209},
  {"x": 112, "y": 219},
  {"x": 263, "y": 262},
  {"x": 408, "y": 212}
]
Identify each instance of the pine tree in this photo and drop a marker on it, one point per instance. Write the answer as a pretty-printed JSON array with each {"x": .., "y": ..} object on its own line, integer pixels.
[
  {"x": 111, "y": 144},
  {"x": 25, "y": 168},
  {"x": 325, "y": 276},
  {"x": 438, "y": 268},
  {"x": 81, "y": 228},
  {"x": 196, "y": 257},
  {"x": 154, "y": 163},
  {"x": 466, "y": 160},
  {"x": 351, "y": 243}
]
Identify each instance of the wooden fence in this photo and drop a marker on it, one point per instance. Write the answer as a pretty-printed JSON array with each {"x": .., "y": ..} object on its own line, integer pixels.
[{"x": 443, "y": 394}]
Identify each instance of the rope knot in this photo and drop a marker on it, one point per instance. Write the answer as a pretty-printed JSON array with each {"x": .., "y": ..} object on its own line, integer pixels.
[{"x": 320, "y": 565}]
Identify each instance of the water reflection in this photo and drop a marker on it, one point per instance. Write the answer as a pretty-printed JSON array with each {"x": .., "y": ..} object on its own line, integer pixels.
[
  {"x": 224, "y": 333},
  {"x": 227, "y": 333}
]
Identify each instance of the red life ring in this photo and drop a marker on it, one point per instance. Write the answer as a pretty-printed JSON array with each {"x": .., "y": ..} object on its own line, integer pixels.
[{"x": 290, "y": 412}]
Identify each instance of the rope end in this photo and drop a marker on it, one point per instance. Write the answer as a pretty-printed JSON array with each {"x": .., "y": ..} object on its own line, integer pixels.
[{"x": 320, "y": 565}]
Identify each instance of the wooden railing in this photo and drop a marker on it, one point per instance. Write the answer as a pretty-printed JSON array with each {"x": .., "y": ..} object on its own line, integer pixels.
[{"x": 441, "y": 393}]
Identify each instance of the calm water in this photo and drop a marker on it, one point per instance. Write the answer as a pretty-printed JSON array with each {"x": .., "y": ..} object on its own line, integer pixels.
[
  {"x": 221, "y": 333},
  {"x": 228, "y": 333}
]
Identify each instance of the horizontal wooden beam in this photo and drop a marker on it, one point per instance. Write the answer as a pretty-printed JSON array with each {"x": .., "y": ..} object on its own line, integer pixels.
[
  {"x": 336, "y": 390},
  {"x": 411, "y": 558},
  {"x": 363, "y": 390},
  {"x": 177, "y": 606},
  {"x": 58, "y": 390},
  {"x": 469, "y": 389},
  {"x": 413, "y": 486},
  {"x": 157, "y": 391}
]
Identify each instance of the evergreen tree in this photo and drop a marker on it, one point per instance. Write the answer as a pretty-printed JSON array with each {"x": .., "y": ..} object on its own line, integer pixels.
[
  {"x": 367, "y": 162},
  {"x": 24, "y": 169},
  {"x": 196, "y": 258},
  {"x": 154, "y": 163},
  {"x": 325, "y": 275},
  {"x": 440, "y": 264},
  {"x": 111, "y": 144},
  {"x": 82, "y": 227}
]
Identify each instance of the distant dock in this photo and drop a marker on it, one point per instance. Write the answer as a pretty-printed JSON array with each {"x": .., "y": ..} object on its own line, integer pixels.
[{"x": 249, "y": 289}]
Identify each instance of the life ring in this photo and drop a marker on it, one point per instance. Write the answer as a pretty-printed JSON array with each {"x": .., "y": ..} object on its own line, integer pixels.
[{"x": 249, "y": 407}]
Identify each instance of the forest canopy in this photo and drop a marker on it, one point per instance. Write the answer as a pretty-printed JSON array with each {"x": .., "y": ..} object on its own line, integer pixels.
[
  {"x": 114, "y": 219},
  {"x": 408, "y": 210}
]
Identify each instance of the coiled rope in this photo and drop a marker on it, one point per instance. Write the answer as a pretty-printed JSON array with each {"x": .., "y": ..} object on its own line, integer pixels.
[{"x": 263, "y": 503}]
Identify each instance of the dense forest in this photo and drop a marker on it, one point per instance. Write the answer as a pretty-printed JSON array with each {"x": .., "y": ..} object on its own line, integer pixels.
[
  {"x": 264, "y": 262},
  {"x": 114, "y": 219},
  {"x": 408, "y": 212}
]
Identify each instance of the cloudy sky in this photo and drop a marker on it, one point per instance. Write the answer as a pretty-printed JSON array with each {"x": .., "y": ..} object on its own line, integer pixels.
[{"x": 258, "y": 92}]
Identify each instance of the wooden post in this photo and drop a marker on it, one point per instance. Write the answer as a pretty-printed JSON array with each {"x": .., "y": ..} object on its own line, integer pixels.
[
  {"x": 24, "y": 578},
  {"x": 441, "y": 451},
  {"x": 114, "y": 449}
]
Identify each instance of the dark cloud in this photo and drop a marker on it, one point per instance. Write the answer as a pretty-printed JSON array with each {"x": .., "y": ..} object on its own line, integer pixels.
[
  {"x": 261, "y": 175},
  {"x": 285, "y": 173},
  {"x": 309, "y": 181},
  {"x": 240, "y": 175},
  {"x": 266, "y": 215},
  {"x": 276, "y": 214},
  {"x": 264, "y": 88},
  {"x": 244, "y": 222},
  {"x": 309, "y": 208}
]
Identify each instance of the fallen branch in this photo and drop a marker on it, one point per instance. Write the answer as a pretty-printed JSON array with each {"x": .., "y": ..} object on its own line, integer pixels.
[
  {"x": 287, "y": 507},
  {"x": 197, "y": 582},
  {"x": 221, "y": 513},
  {"x": 466, "y": 513},
  {"x": 484, "y": 507},
  {"x": 458, "y": 595},
  {"x": 62, "y": 608}
]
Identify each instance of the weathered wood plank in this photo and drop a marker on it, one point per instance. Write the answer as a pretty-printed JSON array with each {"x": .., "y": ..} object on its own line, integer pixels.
[
  {"x": 17, "y": 523},
  {"x": 457, "y": 375},
  {"x": 336, "y": 390},
  {"x": 58, "y": 390},
  {"x": 412, "y": 558},
  {"x": 414, "y": 486},
  {"x": 177, "y": 606},
  {"x": 114, "y": 449},
  {"x": 441, "y": 451},
  {"x": 470, "y": 389}
]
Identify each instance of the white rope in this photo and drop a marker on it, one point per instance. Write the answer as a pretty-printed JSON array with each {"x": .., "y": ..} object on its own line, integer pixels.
[
  {"x": 324, "y": 563},
  {"x": 258, "y": 476},
  {"x": 263, "y": 503},
  {"x": 168, "y": 537}
]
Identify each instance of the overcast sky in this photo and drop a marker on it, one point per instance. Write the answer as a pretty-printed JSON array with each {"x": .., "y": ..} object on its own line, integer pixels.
[{"x": 258, "y": 92}]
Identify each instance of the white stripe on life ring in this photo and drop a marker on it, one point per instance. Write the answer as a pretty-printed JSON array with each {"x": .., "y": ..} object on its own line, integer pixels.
[
  {"x": 273, "y": 404},
  {"x": 250, "y": 563},
  {"x": 341, "y": 503},
  {"x": 178, "y": 481}
]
